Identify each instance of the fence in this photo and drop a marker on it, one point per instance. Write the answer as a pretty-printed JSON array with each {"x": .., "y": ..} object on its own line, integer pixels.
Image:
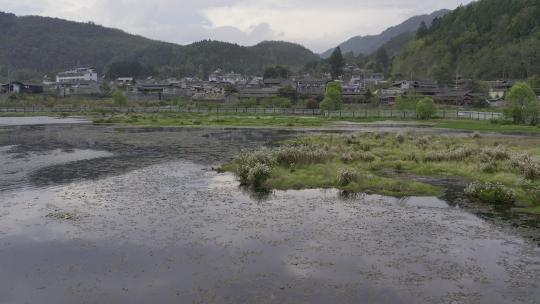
[{"x": 367, "y": 113}]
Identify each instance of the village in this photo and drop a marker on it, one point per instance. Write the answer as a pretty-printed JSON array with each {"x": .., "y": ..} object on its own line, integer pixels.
[{"x": 359, "y": 86}]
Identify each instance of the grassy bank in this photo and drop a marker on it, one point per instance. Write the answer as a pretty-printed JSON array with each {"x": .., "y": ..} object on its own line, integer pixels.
[
  {"x": 194, "y": 119},
  {"x": 388, "y": 164},
  {"x": 484, "y": 126}
]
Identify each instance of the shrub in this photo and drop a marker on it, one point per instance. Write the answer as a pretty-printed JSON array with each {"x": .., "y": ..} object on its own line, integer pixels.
[
  {"x": 364, "y": 147},
  {"x": 494, "y": 193},
  {"x": 347, "y": 157},
  {"x": 312, "y": 104},
  {"x": 497, "y": 153},
  {"x": 425, "y": 108},
  {"x": 301, "y": 155},
  {"x": 476, "y": 134},
  {"x": 488, "y": 167},
  {"x": 119, "y": 98},
  {"x": 346, "y": 176},
  {"x": 258, "y": 175},
  {"x": 423, "y": 142},
  {"x": 460, "y": 154},
  {"x": 242, "y": 171},
  {"x": 529, "y": 167},
  {"x": 365, "y": 157},
  {"x": 400, "y": 138}
]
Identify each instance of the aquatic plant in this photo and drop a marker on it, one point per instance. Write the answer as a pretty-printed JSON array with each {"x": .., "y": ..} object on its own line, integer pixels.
[
  {"x": 62, "y": 215},
  {"x": 494, "y": 193},
  {"x": 346, "y": 176},
  {"x": 258, "y": 175}
]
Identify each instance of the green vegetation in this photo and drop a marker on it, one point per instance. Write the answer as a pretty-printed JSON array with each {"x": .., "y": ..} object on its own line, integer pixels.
[
  {"x": 333, "y": 97},
  {"x": 425, "y": 108},
  {"x": 485, "y": 126},
  {"x": 392, "y": 164},
  {"x": 120, "y": 98},
  {"x": 337, "y": 63},
  {"x": 487, "y": 39},
  {"x": 193, "y": 119},
  {"x": 522, "y": 104},
  {"x": 34, "y": 39}
]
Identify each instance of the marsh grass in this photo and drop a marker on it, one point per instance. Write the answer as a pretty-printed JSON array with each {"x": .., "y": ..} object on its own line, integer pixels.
[{"x": 382, "y": 165}]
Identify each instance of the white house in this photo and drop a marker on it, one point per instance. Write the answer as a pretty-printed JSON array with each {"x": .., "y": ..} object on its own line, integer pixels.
[{"x": 77, "y": 75}]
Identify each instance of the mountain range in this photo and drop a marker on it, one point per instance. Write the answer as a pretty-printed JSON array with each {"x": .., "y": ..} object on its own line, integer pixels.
[
  {"x": 403, "y": 32},
  {"x": 31, "y": 46},
  {"x": 486, "y": 39}
]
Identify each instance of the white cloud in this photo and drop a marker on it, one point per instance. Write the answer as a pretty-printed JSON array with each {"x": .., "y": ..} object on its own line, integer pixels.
[{"x": 314, "y": 23}]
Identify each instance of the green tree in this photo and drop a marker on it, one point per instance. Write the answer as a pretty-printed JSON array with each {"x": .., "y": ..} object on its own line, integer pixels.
[
  {"x": 337, "y": 63},
  {"x": 522, "y": 104},
  {"x": 119, "y": 98},
  {"x": 425, "y": 108},
  {"x": 277, "y": 72},
  {"x": 405, "y": 103},
  {"x": 288, "y": 92},
  {"x": 534, "y": 82},
  {"x": 333, "y": 97},
  {"x": 230, "y": 89},
  {"x": 383, "y": 61},
  {"x": 422, "y": 30}
]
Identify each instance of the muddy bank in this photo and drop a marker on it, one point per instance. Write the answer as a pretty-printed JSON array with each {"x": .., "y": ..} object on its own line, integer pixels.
[{"x": 154, "y": 223}]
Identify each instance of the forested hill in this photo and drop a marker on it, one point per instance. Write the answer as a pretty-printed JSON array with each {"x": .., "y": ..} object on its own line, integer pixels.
[
  {"x": 367, "y": 45},
  {"x": 487, "y": 39},
  {"x": 31, "y": 46}
]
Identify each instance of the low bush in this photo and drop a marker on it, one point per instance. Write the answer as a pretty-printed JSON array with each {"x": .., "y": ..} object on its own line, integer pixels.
[
  {"x": 423, "y": 142},
  {"x": 460, "y": 154},
  {"x": 496, "y": 153},
  {"x": 494, "y": 193},
  {"x": 346, "y": 176},
  {"x": 488, "y": 167},
  {"x": 258, "y": 175},
  {"x": 301, "y": 155},
  {"x": 400, "y": 138},
  {"x": 347, "y": 157},
  {"x": 529, "y": 167}
]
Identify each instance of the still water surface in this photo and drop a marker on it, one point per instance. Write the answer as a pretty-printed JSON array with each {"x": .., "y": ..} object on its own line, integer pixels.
[{"x": 154, "y": 224}]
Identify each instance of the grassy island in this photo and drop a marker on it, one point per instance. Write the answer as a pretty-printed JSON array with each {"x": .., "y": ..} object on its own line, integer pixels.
[{"x": 498, "y": 170}]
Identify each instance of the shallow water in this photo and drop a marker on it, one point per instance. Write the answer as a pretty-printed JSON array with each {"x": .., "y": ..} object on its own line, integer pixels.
[{"x": 156, "y": 224}]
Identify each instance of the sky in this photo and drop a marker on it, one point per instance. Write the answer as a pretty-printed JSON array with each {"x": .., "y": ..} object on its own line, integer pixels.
[{"x": 316, "y": 24}]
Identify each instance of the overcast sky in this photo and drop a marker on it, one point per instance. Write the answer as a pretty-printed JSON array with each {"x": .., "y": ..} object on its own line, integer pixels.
[{"x": 317, "y": 24}]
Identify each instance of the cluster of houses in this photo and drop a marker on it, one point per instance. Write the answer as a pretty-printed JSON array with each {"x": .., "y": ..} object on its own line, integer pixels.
[{"x": 229, "y": 87}]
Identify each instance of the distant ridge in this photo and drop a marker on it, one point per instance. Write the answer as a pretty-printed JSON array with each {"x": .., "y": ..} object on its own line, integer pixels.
[
  {"x": 369, "y": 44},
  {"x": 31, "y": 46},
  {"x": 486, "y": 39}
]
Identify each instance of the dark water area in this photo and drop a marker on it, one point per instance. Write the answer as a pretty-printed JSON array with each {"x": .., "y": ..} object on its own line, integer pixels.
[{"x": 153, "y": 223}]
